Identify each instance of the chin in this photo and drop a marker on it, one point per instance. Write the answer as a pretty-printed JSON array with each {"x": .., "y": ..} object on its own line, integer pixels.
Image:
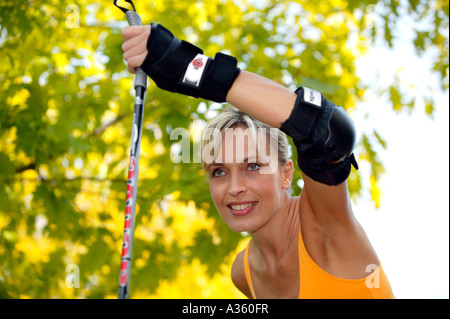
[
  {"x": 240, "y": 228},
  {"x": 239, "y": 224}
]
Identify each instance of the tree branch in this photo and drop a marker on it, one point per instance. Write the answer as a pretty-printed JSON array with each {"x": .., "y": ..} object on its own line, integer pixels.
[
  {"x": 25, "y": 168},
  {"x": 103, "y": 128}
]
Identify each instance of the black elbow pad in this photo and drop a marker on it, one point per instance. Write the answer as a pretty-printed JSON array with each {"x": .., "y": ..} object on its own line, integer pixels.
[
  {"x": 341, "y": 136},
  {"x": 324, "y": 136}
]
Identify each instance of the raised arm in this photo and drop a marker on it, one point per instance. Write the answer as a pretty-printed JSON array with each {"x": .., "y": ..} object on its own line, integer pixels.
[
  {"x": 261, "y": 98},
  {"x": 322, "y": 132}
]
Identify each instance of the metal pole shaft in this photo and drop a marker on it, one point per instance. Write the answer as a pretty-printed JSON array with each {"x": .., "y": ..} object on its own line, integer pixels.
[{"x": 140, "y": 86}]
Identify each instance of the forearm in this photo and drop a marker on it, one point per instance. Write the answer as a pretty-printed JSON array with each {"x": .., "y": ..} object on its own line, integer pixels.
[{"x": 265, "y": 100}]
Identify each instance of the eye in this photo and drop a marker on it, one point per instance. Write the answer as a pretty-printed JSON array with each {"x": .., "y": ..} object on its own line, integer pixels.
[
  {"x": 253, "y": 167},
  {"x": 218, "y": 172}
]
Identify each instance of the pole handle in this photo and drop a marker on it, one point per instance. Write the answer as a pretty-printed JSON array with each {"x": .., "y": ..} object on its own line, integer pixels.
[{"x": 140, "y": 77}]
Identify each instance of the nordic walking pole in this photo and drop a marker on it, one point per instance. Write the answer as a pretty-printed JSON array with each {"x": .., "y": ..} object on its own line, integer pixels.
[{"x": 140, "y": 86}]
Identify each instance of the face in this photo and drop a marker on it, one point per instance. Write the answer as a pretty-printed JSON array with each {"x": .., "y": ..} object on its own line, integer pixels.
[{"x": 246, "y": 189}]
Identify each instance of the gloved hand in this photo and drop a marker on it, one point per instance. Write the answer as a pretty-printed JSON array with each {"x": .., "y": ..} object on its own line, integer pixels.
[{"x": 178, "y": 66}]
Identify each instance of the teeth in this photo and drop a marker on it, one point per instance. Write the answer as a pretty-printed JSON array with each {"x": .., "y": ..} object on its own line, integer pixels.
[{"x": 242, "y": 207}]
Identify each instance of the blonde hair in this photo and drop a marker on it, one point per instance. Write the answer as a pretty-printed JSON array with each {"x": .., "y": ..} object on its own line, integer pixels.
[{"x": 232, "y": 117}]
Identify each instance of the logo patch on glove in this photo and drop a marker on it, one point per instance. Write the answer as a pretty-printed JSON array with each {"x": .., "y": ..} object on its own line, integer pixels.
[
  {"x": 312, "y": 97},
  {"x": 194, "y": 71}
]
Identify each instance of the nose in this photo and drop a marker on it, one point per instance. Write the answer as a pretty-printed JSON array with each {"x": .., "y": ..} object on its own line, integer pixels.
[{"x": 237, "y": 185}]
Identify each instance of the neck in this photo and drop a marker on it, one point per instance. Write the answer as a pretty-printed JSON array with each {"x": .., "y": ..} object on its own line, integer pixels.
[{"x": 273, "y": 240}]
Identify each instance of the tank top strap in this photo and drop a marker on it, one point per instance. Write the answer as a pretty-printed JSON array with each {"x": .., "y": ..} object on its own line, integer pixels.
[{"x": 248, "y": 276}]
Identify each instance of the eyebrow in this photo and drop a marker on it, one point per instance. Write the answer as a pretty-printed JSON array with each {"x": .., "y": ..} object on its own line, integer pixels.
[{"x": 246, "y": 160}]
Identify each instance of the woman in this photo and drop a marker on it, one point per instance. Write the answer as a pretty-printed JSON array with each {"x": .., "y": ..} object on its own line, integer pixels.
[{"x": 302, "y": 247}]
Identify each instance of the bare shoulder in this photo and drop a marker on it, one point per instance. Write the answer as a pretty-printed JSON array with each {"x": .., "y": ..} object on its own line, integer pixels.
[{"x": 238, "y": 275}]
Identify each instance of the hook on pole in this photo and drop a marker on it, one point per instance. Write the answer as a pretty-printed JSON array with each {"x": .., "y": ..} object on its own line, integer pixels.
[{"x": 124, "y": 9}]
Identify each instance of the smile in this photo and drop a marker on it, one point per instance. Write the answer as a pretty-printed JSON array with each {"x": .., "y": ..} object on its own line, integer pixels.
[
  {"x": 242, "y": 209},
  {"x": 242, "y": 206}
]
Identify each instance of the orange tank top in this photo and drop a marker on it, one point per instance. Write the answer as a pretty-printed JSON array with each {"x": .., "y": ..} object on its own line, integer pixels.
[{"x": 315, "y": 283}]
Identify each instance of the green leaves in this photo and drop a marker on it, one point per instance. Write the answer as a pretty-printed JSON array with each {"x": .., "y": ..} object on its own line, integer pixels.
[{"x": 6, "y": 166}]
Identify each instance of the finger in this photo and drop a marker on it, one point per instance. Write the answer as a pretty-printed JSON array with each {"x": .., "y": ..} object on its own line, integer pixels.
[
  {"x": 133, "y": 31},
  {"x": 136, "y": 61},
  {"x": 135, "y": 51},
  {"x": 140, "y": 39}
]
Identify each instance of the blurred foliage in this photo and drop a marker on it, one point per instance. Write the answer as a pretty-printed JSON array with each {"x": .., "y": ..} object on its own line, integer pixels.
[{"x": 65, "y": 122}]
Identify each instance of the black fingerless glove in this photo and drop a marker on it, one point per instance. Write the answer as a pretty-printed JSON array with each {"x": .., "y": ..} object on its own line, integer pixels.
[{"x": 178, "y": 66}]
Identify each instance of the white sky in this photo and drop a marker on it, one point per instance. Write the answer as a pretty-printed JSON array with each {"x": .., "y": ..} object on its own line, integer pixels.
[{"x": 410, "y": 231}]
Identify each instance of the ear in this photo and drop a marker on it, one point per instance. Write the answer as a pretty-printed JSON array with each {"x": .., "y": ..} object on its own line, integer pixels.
[{"x": 287, "y": 173}]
